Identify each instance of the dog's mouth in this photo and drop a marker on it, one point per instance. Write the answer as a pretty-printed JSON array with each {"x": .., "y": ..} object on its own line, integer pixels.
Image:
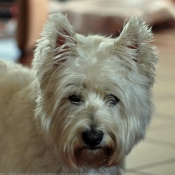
[
  {"x": 93, "y": 148},
  {"x": 95, "y": 156}
]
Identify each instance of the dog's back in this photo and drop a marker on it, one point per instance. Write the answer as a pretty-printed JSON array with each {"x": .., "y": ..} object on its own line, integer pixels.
[
  {"x": 13, "y": 79},
  {"x": 16, "y": 109}
]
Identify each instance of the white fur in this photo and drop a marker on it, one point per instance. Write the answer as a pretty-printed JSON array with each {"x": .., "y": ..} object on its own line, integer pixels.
[{"x": 40, "y": 129}]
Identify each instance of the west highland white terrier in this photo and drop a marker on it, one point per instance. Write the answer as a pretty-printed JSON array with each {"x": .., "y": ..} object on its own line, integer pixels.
[{"x": 83, "y": 106}]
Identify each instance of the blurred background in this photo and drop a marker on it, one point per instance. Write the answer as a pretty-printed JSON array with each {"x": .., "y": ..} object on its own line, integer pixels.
[{"x": 21, "y": 22}]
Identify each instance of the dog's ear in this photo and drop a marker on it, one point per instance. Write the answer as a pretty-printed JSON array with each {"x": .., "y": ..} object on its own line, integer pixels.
[
  {"x": 63, "y": 36},
  {"x": 58, "y": 39},
  {"x": 133, "y": 45},
  {"x": 65, "y": 43},
  {"x": 57, "y": 44}
]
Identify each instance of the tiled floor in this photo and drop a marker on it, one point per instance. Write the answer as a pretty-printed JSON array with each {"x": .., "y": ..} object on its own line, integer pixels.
[{"x": 156, "y": 154}]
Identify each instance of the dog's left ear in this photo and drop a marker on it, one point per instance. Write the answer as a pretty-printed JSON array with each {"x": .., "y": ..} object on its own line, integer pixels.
[{"x": 133, "y": 45}]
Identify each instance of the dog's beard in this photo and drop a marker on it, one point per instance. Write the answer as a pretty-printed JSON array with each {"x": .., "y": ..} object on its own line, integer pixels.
[
  {"x": 76, "y": 154},
  {"x": 106, "y": 154},
  {"x": 93, "y": 158}
]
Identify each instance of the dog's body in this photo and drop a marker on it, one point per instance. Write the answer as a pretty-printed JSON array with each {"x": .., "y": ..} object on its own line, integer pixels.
[{"x": 83, "y": 106}]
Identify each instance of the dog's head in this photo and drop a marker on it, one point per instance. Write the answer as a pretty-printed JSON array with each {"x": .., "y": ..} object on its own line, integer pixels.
[{"x": 95, "y": 92}]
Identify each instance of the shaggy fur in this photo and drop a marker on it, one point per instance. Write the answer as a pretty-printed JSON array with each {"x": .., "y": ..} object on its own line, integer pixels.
[{"x": 77, "y": 84}]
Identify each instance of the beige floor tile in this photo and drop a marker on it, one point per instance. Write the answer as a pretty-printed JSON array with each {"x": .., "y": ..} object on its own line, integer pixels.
[
  {"x": 147, "y": 153},
  {"x": 164, "y": 97},
  {"x": 165, "y": 135},
  {"x": 165, "y": 66},
  {"x": 158, "y": 123},
  {"x": 168, "y": 169},
  {"x": 166, "y": 63},
  {"x": 164, "y": 116},
  {"x": 164, "y": 87},
  {"x": 167, "y": 107},
  {"x": 128, "y": 173},
  {"x": 137, "y": 173},
  {"x": 165, "y": 73},
  {"x": 165, "y": 82},
  {"x": 166, "y": 60}
]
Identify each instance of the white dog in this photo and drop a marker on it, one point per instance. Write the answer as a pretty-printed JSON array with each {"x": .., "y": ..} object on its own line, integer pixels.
[{"x": 82, "y": 107}]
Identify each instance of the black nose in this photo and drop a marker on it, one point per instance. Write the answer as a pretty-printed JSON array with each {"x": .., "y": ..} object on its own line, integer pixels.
[{"x": 92, "y": 137}]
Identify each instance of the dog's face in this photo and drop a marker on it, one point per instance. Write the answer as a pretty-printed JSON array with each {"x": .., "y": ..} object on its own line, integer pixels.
[{"x": 95, "y": 98}]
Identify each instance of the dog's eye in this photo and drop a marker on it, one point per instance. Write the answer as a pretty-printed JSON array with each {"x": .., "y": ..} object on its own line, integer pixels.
[
  {"x": 75, "y": 99},
  {"x": 112, "y": 99}
]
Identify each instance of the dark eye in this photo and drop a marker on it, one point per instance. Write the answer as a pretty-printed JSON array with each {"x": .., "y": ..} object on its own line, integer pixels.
[
  {"x": 75, "y": 99},
  {"x": 112, "y": 99}
]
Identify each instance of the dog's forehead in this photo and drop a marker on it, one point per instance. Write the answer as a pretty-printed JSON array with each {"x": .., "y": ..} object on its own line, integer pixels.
[
  {"x": 95, "y": 42},
  {"x": 95, "y": 66}
]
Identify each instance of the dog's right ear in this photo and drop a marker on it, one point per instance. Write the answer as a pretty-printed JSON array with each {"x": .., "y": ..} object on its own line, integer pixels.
[
  {"x": 66, "y": 42},
  {"x": 57, "y": 45},
  {"x": 60, "y": 36}
]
